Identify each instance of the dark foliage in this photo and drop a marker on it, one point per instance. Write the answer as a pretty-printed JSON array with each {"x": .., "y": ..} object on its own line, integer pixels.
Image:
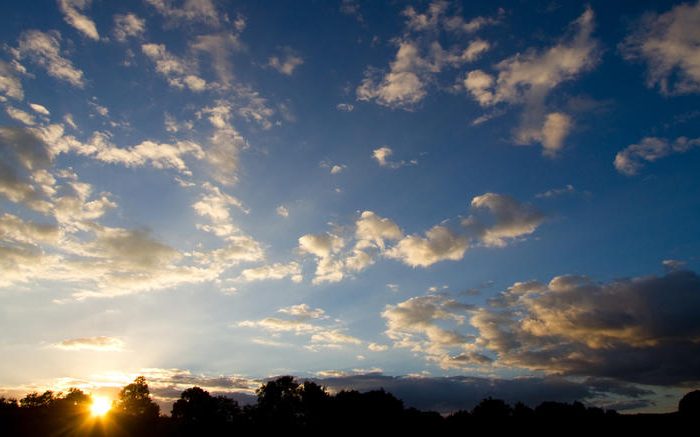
[{"x": 288, "y": 405}]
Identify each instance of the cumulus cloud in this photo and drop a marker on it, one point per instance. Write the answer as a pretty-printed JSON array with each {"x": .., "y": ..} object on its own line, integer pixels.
[
  {"x": 321, "y": 245},
  {"x": 504, "y": 221},
  {"x": 383, "y": 157},
  {"x": 101, "y": 344},
  {"x": 511, "y": 219},
  {"x": 71, "y": 10},
  {"x": 275, "y": 271},
  {"x": 74, "y": 248},
  {"x": 10, "y": 85},
  {"x": 440, "y": 244},
  {"x": 528, "y": 79},
  {"x": 286, "y": 63},
  {"x": 418, "y": 324},
  {"x": 419, "y": 58},
  {"x": 128, "y": 26},
  {"x": 178, "y": 72},
  {"x": 630, "y": 160},
  {"x": 370, "y": 227},
  {"x": 44, "y": 49},
  {"x": 641, "y": 329},
  {"x": 669, "y": 44},
  {"x": 101, "y": 148},
  {"x": 214, "y": 204},
  {"x": 333, "y": 168},
  {"x": 21, "y": 116}
]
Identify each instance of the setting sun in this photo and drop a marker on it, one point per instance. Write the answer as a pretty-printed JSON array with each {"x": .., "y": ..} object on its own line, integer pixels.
[{"x": 100, "y": 406}]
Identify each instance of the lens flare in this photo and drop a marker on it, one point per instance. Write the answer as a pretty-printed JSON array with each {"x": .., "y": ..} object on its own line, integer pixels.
[{"x": 100, "y": 406}]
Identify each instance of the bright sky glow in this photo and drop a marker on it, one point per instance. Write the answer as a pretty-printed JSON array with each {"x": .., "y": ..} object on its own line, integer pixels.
[
  {"x": 451, "y": 193},
  {"x": 100, "y": 406}
]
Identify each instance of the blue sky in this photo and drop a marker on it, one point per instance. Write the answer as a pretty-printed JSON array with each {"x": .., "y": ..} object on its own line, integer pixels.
[{"x": 420, "y": 191}]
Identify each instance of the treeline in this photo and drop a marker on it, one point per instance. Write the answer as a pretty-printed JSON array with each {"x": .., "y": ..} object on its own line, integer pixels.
[{"x": 287, "y": 405}]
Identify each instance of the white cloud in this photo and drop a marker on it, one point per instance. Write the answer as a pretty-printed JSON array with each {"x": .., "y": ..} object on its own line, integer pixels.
[
  {"x": 72, "y": 9},
  {"x": 22, "y": 116},
  {"x": 345, "y": 107},
  {"x": 214, "y": 204},
  {"x": 428, "y": 324},
  {"x": 631, "y": 159},
  {"x": 223, "y": 154},
  {"x": 102, "y": 110},
  {"x": 370, "y": 227},
  {"x": 202, "y": 11},
  {"x": 10, "y": 85},
  {"x": 287, "y": 63},
  {"x": 551, "y": 135},
  {"x": 321, "y": 245},
  {"x": 419, "y": 58},
  {"x": 39, "y": 109},
  {"x": 529, "y": 78},
  {"x": 555, "y": 192},
  {"x": 178, "y": 72},
  {"x": 219, "y": 47},
  {"x": 128, "y": 26},
  {"x": 68, "y": 118},
  {"x": 401, "y": 87},
  {"x": 670, "y": 45},
  {"x": 376, "y": 347},
  {"x": 100, "y": 147},
  {"x": 44, "y": 49},
  {"x": 440, "y": 244},
  {"x": 102, "y": 344},
  {"x": 512, "y": 219},
  {"x": 275, "y": 271},
  {"x": 383, "y": 154},
  {"x": 282, "y": 211},
  {"x": 302, "y": 320}
]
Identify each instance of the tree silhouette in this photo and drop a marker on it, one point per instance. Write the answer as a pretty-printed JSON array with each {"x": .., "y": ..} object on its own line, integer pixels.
[
  {"x": 689, "y": 405},
  {"x": 286, "y": 405},
  {"x": 135, "y": 400},
  {"x": 492, "y": 409},
  {"x": 198, "y": 412}
]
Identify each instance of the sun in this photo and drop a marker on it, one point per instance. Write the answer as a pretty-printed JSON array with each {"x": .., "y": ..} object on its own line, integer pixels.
[{"x": 100, "y": 406}]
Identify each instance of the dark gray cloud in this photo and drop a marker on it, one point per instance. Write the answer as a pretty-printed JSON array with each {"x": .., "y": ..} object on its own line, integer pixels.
[
  {"x": 447, "y": 394},
  {"x": 643, "y": 330}
]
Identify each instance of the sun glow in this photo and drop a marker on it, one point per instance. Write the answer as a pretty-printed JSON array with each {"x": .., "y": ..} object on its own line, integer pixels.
[{"x": 100, "y": 406}]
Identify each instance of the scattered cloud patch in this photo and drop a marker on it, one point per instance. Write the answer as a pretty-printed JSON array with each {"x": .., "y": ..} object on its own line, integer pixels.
[
  {"x": 630, "y": 160},
  {"x": 670, "y": 45},
  {"x": 528, "y": 78},
  {"x": 44, "y": 49},
  {"x": 128, "y": 26},
  {"x": 420, "y": 57},
  {"x": 285, "y": 63},
  {"x": 72, "y": 14}
]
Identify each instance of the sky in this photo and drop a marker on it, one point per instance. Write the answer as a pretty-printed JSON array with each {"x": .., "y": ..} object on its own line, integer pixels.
[{"x": 448, "y": 200}]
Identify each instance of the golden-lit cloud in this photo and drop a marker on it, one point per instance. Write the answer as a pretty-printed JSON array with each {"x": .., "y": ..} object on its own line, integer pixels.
[{"x": 102, "y": 344}]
